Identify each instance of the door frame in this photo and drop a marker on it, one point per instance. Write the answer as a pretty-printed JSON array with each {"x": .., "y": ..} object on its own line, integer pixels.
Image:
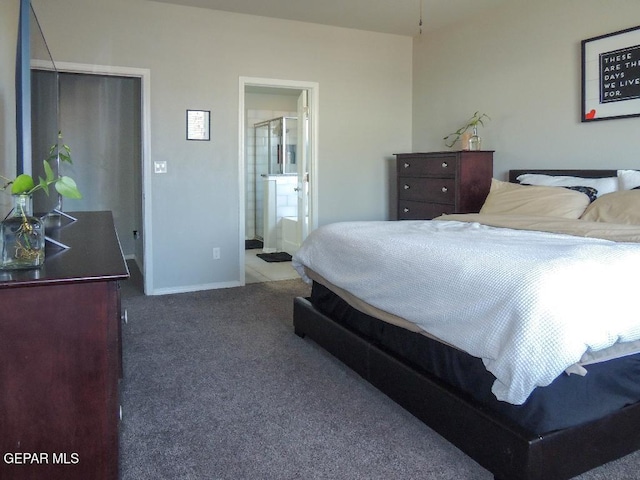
[
  {"x": 144, "y": 75},
  {"x": 313, "y": 91}
]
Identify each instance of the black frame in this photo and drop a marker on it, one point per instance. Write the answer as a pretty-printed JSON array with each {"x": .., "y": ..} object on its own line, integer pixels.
[
  {"x": 23, "y": 90},
  {"x": 199, "y": 132},
  {"x": 611, "y": 76}
]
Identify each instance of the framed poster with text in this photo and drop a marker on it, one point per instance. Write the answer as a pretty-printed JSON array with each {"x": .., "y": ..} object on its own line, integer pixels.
[{"x": 611, "y": 76}]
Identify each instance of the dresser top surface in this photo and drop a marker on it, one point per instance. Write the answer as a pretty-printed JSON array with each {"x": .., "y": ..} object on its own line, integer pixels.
[
  {"x": 94, "y": 254},
  {"x": 447, "y": 152}
]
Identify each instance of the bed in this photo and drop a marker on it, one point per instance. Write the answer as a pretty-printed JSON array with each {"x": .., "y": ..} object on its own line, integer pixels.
[{"x": 550, "y": 425}]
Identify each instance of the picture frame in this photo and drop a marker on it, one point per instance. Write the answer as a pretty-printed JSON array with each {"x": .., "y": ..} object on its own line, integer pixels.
[
  {"x": 611, "y": 76},
  {"x": 199, "y": 125}
]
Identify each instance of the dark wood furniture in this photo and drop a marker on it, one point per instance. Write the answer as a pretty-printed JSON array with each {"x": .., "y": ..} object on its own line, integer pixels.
[
  {"x": 514, "y": 174},
  {"x": 431, "y": 184},
  {"x": 60, "y": 357},
  {"x": 505, "y": 449}
]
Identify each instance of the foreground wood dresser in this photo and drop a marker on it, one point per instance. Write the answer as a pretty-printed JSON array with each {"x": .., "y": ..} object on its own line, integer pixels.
[
  {"x": 430, "y": 184},
  {"x": 60, "y": 357}
]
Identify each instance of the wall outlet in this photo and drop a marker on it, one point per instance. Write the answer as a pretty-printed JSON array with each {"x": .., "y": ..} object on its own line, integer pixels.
[{"x": 216, "y": 253}]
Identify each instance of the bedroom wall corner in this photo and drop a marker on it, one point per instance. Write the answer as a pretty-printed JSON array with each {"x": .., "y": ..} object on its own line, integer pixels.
[{"x": 521, "y": 64}]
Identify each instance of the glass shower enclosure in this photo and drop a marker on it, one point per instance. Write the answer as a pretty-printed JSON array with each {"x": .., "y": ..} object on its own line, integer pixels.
[{"x": 275, "y": 155}]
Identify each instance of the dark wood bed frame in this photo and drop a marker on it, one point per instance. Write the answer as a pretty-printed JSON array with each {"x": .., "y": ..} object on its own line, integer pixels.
[{"x": 505, "y": 449}]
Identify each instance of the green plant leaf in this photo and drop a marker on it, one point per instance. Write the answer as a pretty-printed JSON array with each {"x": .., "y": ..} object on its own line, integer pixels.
[
  {"x": 66, "y": 187},
  {"x": 65, "y": 154},
  {"x": 22, "y": 184},
  {"x": 48, "y": 171},
  {"x": 44, "y": 185}
]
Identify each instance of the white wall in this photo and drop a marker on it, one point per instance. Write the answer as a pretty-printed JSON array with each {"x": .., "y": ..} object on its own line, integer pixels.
[
  {"x": 196, "y": 57},
  {"x": 520, "y": 64}
]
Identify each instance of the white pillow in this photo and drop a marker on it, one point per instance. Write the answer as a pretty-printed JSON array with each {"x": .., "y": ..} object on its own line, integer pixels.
[
  {"x": 628, "y": 179},
  {"x": 512, "y": 199},
  {"x": 602, "y": 185}
]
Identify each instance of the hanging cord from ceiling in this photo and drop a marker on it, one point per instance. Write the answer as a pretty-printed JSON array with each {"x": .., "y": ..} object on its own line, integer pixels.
[{"x": 420, "y": 22}]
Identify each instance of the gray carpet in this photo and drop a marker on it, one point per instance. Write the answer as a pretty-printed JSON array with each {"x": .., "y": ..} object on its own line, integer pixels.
[{"x": 217, "y": 386}]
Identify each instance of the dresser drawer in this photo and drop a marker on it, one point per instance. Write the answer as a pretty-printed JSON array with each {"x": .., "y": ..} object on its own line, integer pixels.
[
  {"x": 439, "y": 190},
  {"x": 444, "y": 166},
  {"x": 408, "y": 210}
]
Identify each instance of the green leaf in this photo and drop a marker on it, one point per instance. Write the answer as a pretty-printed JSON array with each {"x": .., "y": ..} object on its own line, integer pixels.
[
  {"x": 66, "y": 187},
  {"x": 65, "y": 154},
  {"x": 48, "y": 171},
  {"x": 22, "y": 184},
  {"x": 44, "y": 185}
]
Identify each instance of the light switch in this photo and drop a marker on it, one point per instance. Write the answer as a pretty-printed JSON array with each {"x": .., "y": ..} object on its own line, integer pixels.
[{"x": 160, "y": 167}]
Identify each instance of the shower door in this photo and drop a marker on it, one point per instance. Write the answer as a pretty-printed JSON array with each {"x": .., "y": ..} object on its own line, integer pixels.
[
  {"x": 261, "y": 164},
  {"x": 274, "y": 154}
]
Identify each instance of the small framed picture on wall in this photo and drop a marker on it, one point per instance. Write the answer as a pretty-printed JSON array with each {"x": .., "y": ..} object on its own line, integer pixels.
[
  {"x": 198, "y": 125},
  {"x": 611, "y": 76}
]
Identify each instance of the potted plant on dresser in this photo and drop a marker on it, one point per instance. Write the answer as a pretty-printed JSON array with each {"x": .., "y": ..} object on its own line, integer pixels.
[
  {"x": 22, "y": 236},
  {"x": 468, "y": 134}
]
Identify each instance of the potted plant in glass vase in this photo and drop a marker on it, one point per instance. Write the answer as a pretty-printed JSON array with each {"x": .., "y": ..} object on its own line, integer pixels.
[
  {"x": 22, "y": 235},
  {"x": 470, "y": 140}
]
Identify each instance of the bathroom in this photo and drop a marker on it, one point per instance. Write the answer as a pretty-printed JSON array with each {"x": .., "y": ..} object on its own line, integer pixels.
[
  {"x": 276, "y": 177},
  {"x": 271, "y": 181}
]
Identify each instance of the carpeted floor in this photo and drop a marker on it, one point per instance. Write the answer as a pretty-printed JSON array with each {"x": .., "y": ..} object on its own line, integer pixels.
[{"x": 217, "y": 386}]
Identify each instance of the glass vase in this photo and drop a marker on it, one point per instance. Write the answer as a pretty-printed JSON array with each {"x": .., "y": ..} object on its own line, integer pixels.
[
  {"x": 22, "y": 236},
  {"x": 475, "y": 142}
]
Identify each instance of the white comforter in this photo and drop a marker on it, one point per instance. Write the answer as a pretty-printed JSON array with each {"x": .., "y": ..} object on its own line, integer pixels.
[{"x": 528, "y": 303}]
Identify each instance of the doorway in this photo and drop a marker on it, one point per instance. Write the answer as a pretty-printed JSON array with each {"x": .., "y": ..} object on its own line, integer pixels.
[
  {"x": 104, "y": 119},
  {"x": 100, "y": 120},
  {"x": 278, "y": 198}
]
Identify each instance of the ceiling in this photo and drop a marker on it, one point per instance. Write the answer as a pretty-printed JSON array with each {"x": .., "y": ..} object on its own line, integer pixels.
[{"x": 400, "y": 17}]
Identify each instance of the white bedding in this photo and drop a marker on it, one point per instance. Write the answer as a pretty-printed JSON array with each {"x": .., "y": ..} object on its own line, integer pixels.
[{"x": 529, "y": 303}]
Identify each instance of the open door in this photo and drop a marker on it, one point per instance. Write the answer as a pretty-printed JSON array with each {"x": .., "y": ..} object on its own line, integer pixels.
[{"x": 303, "y": 167}]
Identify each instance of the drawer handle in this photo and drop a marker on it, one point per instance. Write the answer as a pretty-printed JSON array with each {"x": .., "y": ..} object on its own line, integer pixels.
[
  {"x": 406, "y": 165},
  {"x": 445, "y": 164},
  {"x": 406, "y": 210},
  {"x": 445, "y": 189},
  {"x": 406, "y": 187}
]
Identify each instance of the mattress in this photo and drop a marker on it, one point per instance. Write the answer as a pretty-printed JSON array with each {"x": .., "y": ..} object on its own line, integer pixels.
[
  {"x": 530, "y": 304},
  {"x": 568, "y": 401}
]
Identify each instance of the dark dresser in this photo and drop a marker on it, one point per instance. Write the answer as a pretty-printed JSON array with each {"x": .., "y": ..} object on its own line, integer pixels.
[
  {"x": 60, "y": 357},
  {"x": 430, "y": 184}
]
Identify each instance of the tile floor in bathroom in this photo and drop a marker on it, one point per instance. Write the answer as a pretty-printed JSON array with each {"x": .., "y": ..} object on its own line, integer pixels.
[{"x": 257, "y": 270}]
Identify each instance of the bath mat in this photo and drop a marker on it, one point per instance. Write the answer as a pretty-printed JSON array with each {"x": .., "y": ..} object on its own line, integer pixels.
[
  {"x": 275, "y": 257},
  {"x": 252, "y": 244}
]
